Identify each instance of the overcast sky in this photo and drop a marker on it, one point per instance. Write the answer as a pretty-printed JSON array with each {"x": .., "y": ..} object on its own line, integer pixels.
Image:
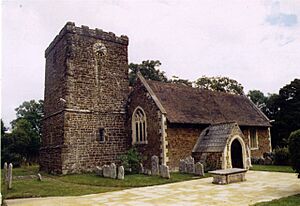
[{"x": 255, "y": 42}]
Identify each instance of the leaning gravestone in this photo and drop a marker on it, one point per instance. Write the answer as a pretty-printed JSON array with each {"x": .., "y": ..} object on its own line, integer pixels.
[
  {"x": 113, "y": 171},
  {"x": 199, "y": 170},
  {"x": 154, "y": 165},
  {"x": 182, "y": 166},
  {"x": 10, "y": 175},
  {"x": 39, "y": 177},
  {"x": 99, "y": 171},
  {"x": 141, "y": 168},
  {"x": 106, "y": 171},
  {"x": 121, "y": 173},
  {"x": 5, "y": 173},
  {"x": 164, "y": 171},
  {"x": 190, "y": 165}
]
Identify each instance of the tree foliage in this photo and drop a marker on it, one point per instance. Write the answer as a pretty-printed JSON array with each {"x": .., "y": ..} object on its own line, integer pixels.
[
  {"x": 149, "y": 70},
  {"x": 23, "y": 143},
  {"x": 222, "y": 84},
  {"x": 177, "y": 80},
  {"x": 294, "y": 145},
  {"x": 258, "y": 98}
]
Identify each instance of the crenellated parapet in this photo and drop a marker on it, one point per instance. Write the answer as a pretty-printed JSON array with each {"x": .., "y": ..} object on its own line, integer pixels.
[{"x": 70, "y": 27}]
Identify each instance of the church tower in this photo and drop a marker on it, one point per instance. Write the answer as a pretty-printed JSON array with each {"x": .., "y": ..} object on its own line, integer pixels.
[{"x": 86, "y": 90}]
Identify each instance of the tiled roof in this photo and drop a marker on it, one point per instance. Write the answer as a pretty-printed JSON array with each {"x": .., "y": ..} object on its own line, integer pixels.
[
  {"x": 185, "y": 104},
  {"x": 214, "y": 138}
]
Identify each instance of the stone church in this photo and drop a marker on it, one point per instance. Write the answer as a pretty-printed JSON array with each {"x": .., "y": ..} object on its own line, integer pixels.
[{"x": 92, "y": 117}]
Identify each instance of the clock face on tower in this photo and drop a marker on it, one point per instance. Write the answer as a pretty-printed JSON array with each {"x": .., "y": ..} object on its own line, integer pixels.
[{"x": 100, "y": 49}]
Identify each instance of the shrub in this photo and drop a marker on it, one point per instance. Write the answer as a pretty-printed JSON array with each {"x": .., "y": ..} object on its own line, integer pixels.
[
  {"x": 131, "y": 161},
  {"x": 294, "y": 149},
  {"x": 281, "y": 156}
]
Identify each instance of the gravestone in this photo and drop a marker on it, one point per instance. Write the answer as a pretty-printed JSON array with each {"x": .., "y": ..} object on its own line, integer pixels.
[
  {"x": 106, "y": 171},
  {"x": 5, "y": 173},
  {"x": 182, "y": 166},
  {"x": 154, "y": 165},
  {"x": 199, "y": 170},
  {"x": 39, "y": 177},
  {"x": 141, "y": 168},
  {"x": 121, "y": 173},
  {"x": 190, "y": 165},
  {"x": 10, "y": 175},
  {"x": 164, "y": 171},
  {"x": 99, "y": 171},
  {"x": 113, "y": 171}
]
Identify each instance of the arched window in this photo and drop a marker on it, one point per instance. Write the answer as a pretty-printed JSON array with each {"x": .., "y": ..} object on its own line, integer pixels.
[{"x": 139, "y": 126}]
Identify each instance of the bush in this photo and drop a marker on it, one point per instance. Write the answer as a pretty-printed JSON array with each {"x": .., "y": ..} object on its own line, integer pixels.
[
  {"x": 294, "y": 149},
  {"x": 281, "y": 156},
  {"x": 131, "y": 161}
]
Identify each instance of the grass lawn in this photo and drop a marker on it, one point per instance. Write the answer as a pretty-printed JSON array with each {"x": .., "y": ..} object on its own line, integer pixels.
[
  {"x": 80, "y": 184},
  {"x": 273, "y": 168},
  {"x": 285, "y": 201}
]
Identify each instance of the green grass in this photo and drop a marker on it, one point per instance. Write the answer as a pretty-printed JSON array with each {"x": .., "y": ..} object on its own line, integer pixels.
[
  {"x": 273, "y": 168},
  {"x": 285, "y": 201},
  {"x": 80, "y": 184}
]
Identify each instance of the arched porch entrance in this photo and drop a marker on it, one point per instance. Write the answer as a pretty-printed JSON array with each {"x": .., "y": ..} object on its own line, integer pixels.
[{"x": 236, "y": 154}]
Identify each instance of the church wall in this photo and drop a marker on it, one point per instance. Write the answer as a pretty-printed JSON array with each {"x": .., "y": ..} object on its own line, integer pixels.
[
  {"x": 264, "y": 141},
  {"x": 140, "y": 97},
  {"x": 181, "y": 141}
]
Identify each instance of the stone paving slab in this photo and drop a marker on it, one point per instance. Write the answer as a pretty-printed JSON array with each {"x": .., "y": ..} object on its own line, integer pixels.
[{"x": 260, "y": 186}]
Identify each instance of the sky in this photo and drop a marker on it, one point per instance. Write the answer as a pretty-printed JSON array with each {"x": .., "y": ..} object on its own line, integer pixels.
[{"x": 254, "y": 42}]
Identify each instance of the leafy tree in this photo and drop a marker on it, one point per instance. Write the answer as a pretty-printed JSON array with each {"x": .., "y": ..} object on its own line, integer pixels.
[
  {"x": 177, "y": 80},
  {"x": 149, "y": 70},
  {"x": 287, "y": 116},
  {"x": 131, "y": 161},
  {"x": 258, "y": 98},
  {"x": 294, "y": 145},
  {"x": 3, "y": 129},
  {"x": 32, "y": 111},
  {"x": 223, "y": 84}
]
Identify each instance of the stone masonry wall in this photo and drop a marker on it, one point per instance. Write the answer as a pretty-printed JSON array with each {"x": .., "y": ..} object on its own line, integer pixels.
[
  {"x": 140, "y": 97},
  {"x": 181, "y": 141},
  {"x": 263, "y": 141},
  {"x": 95, "y": 88}
]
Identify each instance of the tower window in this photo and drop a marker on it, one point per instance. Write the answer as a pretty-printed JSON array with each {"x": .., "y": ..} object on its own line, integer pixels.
[
  {"x": 101, "y": 135},
  {"x": 139, "y": 126}
]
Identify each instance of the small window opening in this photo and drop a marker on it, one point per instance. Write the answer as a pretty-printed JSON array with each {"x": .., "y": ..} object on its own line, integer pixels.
[{"x": 101, "y": 134}]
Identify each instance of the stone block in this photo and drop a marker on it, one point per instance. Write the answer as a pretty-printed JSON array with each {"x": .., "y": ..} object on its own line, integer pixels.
[
  {"x": 199, "y": 169},
  {"x": 164, "y": 171},
  {"x": 121, "y": 173},
  {"x": 99, "y": 171},
  {"x": 154, "y": 165},
  {"x": 113, "y": 171}
]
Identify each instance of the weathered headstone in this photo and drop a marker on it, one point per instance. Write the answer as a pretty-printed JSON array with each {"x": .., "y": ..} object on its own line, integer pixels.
[
  {"x": 106, "y": 171},
  {"x": 121, "y": 173},
  {"x": 113, "y": 171},
  {"x": 5, "y": 172},
  {"x": 39, "y": 177},
  {"x": 99, "y": 171},
  {"x": 199, "y": 170},
  {"x": 141, "y": 168},
  {"x": 154, "y": 165},
  {"x": 182, "y": 166},
  {"x": 190, "y": 165},
  {"x": 10, "y": 175},
  {"x": 164, "y": 171}
]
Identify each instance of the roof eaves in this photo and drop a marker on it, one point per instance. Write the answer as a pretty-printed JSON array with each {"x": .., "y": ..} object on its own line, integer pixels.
[{"x": 152, "y": 94}]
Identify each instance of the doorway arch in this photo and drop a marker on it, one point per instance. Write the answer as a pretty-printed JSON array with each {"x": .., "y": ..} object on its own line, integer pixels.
[{"x": 236, "y": 151}]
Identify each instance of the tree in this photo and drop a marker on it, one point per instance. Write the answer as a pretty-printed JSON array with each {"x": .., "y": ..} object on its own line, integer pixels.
[
  {"x": 223, "y": 84},
  {"x": 177, "y": 80},
  {"x": 32, "y": 111},
  {"x": 3, "y": 129},
  {"x": 149, "y": 70},
  {"x": 287, "y": 116},
  {"x": 258, "y": 98},
  {"x": 294, "y": 145}
]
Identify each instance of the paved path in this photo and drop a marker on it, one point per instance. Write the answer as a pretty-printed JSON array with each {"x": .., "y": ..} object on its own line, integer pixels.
[{"x": 260, "y": 186}]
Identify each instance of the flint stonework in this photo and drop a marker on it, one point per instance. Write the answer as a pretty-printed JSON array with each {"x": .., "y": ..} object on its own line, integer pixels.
[
  {"x": 121, "y": 173},
  {"x": 154, "y": 165}
]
